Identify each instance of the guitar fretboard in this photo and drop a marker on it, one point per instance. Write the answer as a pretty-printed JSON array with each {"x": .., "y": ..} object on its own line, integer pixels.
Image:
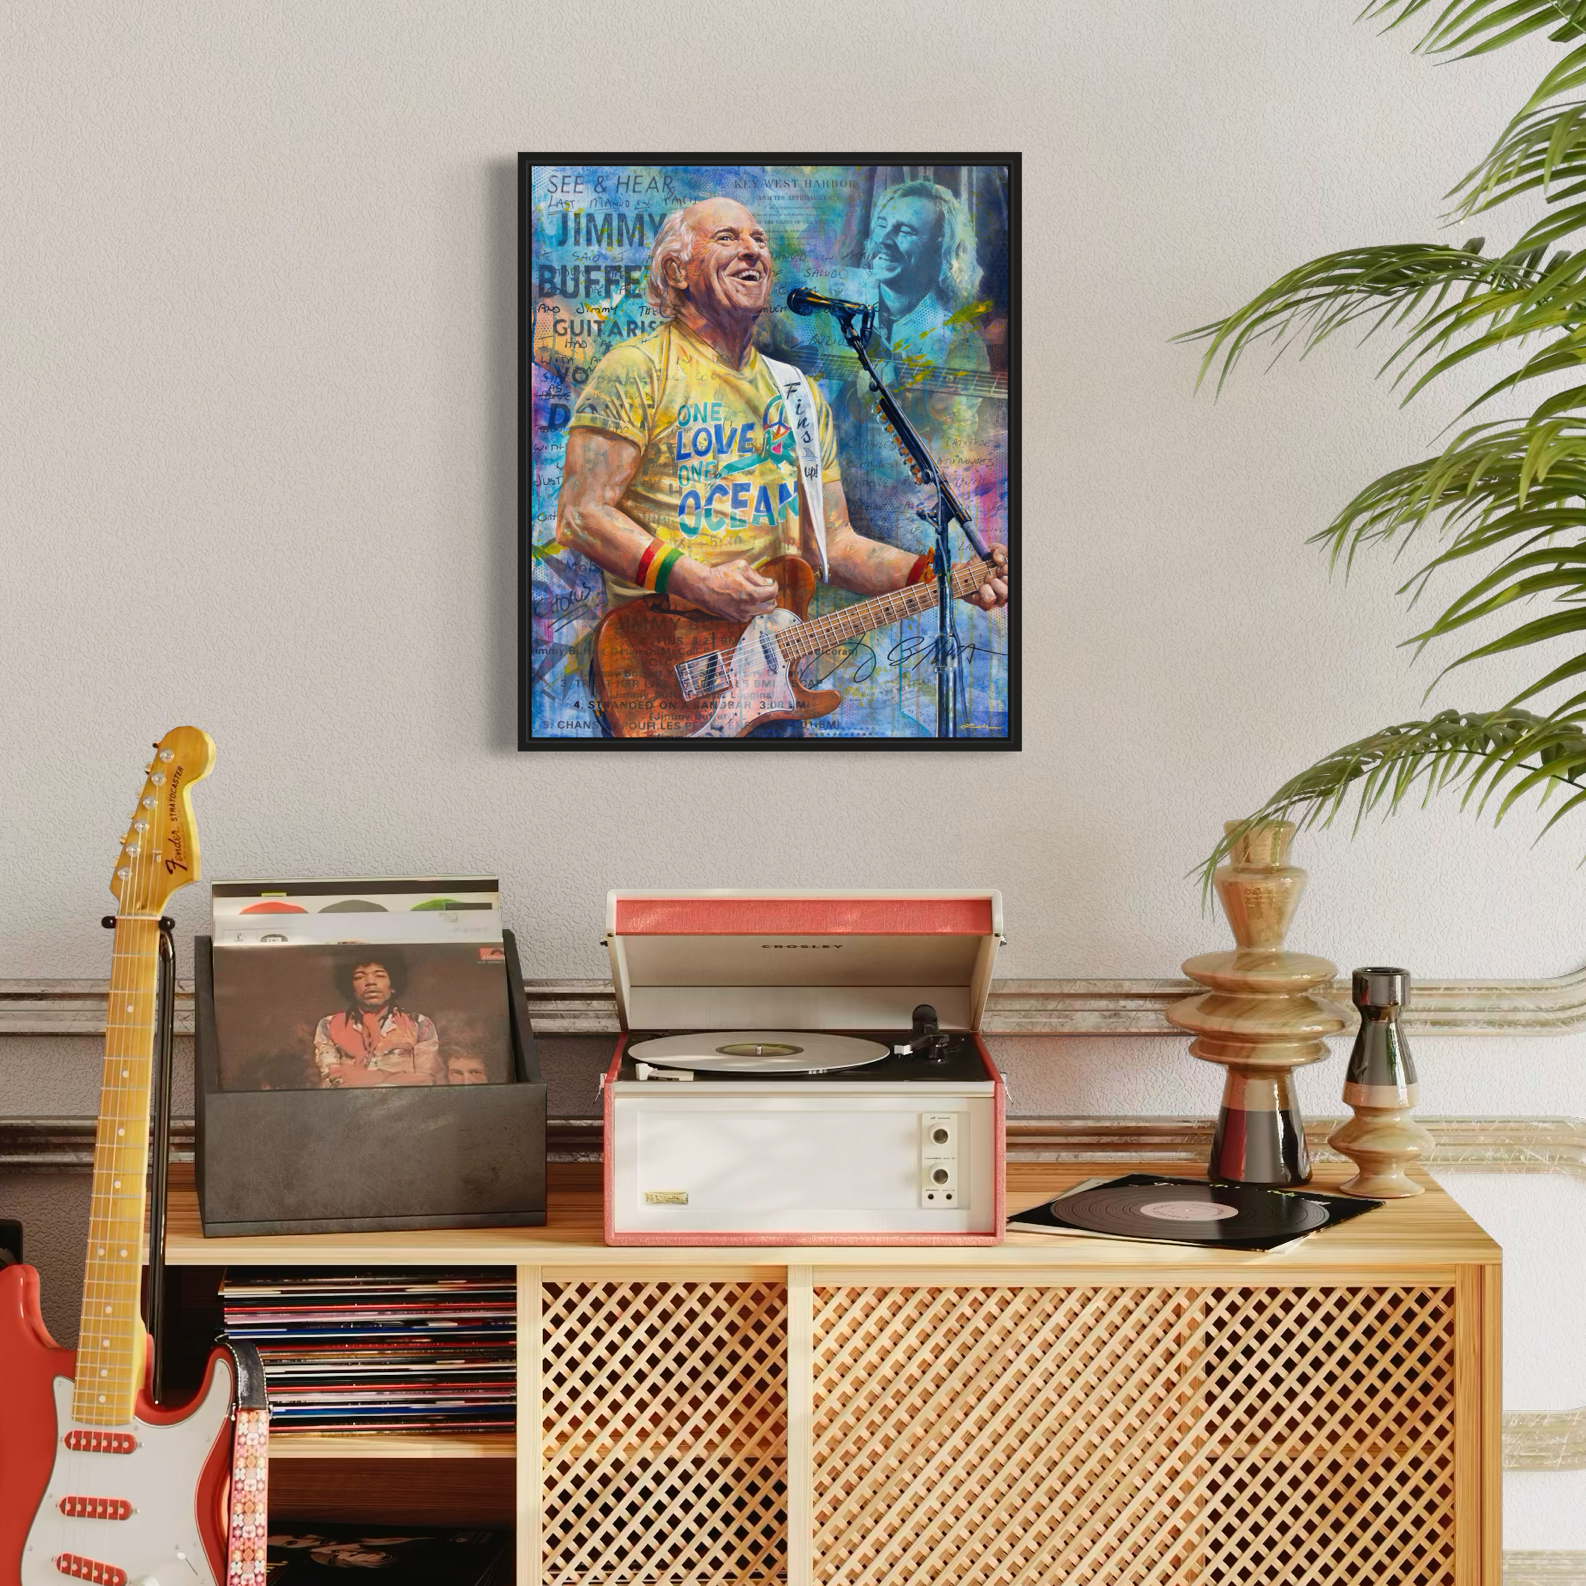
[
  {"x": 110, "y": 1330},
  {"x": 910, "y": 374},
  {"x": 880, "y": 611}
]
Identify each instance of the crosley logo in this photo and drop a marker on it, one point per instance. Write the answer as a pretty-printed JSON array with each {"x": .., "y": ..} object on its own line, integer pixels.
[{"x": 801, "y": 947}]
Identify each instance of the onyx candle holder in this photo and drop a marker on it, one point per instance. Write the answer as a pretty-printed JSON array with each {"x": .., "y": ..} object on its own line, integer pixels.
[{"x": 1258, "y": 1017}]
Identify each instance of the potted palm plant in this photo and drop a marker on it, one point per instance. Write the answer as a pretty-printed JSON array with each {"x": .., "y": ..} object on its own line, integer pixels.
[{"x": 1502, "y": 507}]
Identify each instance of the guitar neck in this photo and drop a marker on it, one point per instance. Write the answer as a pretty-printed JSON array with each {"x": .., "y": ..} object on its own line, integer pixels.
[
  {"x": 109, "y": 1367},
  {"x": 881, "y": 611},
  {"x": 913, "y": 373}
]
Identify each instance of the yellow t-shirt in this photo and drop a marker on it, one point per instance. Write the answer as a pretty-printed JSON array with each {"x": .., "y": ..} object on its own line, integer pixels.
[{"x": 718, "y": 470}]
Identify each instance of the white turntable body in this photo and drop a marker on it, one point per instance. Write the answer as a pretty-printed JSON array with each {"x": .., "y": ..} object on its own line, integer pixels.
[{"x": 763, "y": 1092}]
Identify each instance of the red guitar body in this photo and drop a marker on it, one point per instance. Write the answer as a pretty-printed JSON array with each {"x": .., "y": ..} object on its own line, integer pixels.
[{"x": 176, "y": 1478}]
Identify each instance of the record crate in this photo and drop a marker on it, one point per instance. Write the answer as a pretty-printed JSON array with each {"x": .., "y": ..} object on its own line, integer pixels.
[{"x": 360, "y": 1160}]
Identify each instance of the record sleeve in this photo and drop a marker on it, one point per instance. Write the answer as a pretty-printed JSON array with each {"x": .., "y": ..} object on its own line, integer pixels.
[
  {"x": 317, "y": 1016},
  {"x": 365, "y": 909},
  {"x": 1155, "y": 1209}
]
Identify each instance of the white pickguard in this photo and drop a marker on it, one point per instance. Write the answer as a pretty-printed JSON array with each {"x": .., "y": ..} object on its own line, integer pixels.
[
  {"x": 159, "y": 1543},
  {"x": 759, "y": 679}
]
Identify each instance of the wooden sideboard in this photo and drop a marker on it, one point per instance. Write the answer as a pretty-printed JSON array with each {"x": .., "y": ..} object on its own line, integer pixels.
[{"x": 1045, "y": 1411}]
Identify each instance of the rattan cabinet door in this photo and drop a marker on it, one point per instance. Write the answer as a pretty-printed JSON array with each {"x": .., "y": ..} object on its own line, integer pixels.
[
  {"x": 662, "y": 1436},
  {"x": 1130, "y": 1435}
]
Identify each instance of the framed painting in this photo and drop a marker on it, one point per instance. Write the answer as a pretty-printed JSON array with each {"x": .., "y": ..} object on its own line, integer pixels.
[{"x": 769, "y": 451}]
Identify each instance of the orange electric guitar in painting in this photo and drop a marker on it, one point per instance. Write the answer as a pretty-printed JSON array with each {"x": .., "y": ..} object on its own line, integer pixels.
[
  {"x": 665, "y": 670},
  {"x": 97, "y": 1482}
]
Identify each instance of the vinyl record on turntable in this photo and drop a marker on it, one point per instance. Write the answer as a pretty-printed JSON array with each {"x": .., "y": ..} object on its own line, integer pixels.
[
  {"x": 1210, "y": 1214},
  {"x": 758, "y": 1052}
]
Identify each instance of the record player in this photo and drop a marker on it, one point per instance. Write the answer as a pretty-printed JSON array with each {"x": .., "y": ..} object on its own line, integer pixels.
[{"x": 803, "y": 1068}]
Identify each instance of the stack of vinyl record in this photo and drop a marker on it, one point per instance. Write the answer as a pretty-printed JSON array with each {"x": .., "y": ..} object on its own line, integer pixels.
[{"x": 426, "y": 1350}]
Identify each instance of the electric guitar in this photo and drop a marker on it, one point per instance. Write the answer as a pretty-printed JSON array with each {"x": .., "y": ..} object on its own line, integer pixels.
[
  {"x": 97, "y": 1482},
  {"x": 667, "y": 671}
]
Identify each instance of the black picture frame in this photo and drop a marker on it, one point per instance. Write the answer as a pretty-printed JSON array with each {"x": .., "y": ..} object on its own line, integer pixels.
[{"x": 541, "y": 649}]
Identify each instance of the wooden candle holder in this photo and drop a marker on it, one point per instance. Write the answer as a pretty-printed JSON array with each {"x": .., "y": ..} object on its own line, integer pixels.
[{"x": 1258, "y": 1017}]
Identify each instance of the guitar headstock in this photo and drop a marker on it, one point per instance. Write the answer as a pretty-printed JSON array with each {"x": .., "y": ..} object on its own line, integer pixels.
[{"x": 159, "y": 852}]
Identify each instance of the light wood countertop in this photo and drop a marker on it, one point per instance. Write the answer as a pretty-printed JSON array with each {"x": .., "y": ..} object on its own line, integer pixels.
[{"x": 1421, "y": 1240}]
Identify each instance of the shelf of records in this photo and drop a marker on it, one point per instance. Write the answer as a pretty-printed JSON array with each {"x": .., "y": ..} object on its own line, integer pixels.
[{"x": 396, "y": 1351}]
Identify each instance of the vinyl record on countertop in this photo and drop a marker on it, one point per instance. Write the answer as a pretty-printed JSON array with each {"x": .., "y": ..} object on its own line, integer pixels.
[
  {"x": 1212, "y": 1213},
  {"x": 1162, "y": 1209}
]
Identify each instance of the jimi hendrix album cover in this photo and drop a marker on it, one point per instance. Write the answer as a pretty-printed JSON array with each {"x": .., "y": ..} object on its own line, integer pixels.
[
  {"x": 763, "y": 405},
  {"x": 327, "y": 1017}
]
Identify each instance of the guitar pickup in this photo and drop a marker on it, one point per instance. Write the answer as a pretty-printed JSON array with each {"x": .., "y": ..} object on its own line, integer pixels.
[
  {"x": 95, "y": 1508},
  {"x": 704, "y": 674},
  {"x": 80, "y": 1568}
]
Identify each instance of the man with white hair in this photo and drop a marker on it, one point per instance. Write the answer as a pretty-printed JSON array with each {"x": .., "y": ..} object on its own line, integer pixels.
[{"x": 682, "y": 467}]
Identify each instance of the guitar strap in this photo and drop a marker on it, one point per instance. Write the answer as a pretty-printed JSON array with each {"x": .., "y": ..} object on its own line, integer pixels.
[
  {"x": 798, "y": 406},
  {"x": 248, "y": 1529}
]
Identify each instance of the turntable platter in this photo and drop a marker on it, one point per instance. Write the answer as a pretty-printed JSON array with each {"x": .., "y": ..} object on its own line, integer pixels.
[{"x": 758, "y": 1052}]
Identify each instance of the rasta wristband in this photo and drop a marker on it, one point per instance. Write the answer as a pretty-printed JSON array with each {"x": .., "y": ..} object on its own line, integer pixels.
[
  {"x": 920, "y": 573},
  {"x": 661, "y": 569},
  {"x": 655, "y": 566}
]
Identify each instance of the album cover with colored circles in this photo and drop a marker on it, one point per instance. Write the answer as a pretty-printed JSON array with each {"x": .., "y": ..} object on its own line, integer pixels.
[{"x": 1180, "y": 1211}]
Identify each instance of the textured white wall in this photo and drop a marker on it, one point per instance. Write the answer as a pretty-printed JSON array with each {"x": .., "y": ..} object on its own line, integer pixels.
[
  {"x": 258, "y": 457},
  {"x": 258, "y": 403}
]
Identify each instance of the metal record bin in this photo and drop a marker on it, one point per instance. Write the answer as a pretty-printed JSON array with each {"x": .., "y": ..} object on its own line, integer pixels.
[{"x": 351, "y": 1161}]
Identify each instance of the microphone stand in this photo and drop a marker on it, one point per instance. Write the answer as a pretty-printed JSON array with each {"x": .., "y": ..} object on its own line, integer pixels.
[{"x": 949, "y": 510}]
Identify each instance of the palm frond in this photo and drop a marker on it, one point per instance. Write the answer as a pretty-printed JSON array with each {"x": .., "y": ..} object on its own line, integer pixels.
[
  {"x": 1493, "y": 483},
  {"x": 1527, "y": 297},
  {"x": 1433, "y": 290},
  {"x": 1482, "y": 753},
  {"x": 1510, "y": 493},
  {"x": 1472, "y": 27},
  {"x": 1537, "y": 149}
]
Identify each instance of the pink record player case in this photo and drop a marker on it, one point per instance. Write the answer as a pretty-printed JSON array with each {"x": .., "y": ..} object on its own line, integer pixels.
[{"x": 802, "y": 1068}]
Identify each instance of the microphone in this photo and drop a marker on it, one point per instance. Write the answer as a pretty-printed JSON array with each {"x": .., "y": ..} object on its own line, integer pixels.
[{"x": 803, "y": 301}]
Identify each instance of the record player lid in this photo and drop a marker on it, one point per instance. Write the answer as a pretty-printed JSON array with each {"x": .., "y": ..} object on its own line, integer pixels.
[{"x": 801, "y": 960}]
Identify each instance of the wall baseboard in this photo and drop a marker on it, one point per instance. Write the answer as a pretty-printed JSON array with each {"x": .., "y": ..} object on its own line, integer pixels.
[
  {"x": 1016, "y": 1007},
  {"x": 1544, "y": 1569}
]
